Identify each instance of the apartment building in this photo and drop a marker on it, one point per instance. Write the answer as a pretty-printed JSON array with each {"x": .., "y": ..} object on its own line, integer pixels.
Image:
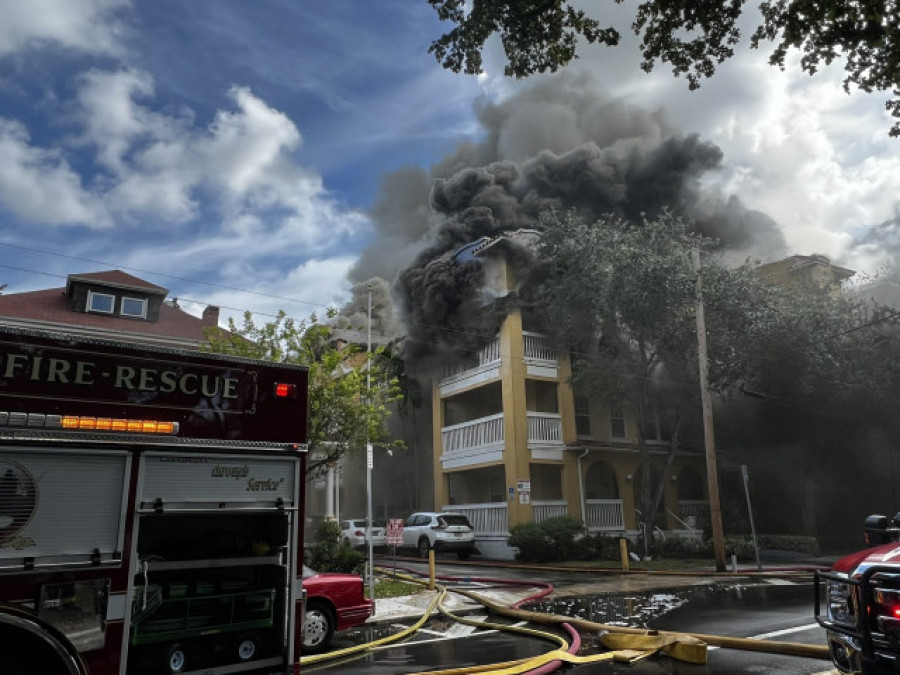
[{"x": 513, "y": 443}]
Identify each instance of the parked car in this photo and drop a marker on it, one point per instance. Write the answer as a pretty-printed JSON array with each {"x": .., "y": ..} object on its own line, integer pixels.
[
  {"x": 354, "y": 532},
  {"x": 446, "y": 531},
  {"x": 334, "y": 602}
]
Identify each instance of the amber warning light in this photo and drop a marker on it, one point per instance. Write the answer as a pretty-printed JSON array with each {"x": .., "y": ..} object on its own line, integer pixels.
[
  {"x": 81, "y": 423},
  {"x": 284, "y": 390}
]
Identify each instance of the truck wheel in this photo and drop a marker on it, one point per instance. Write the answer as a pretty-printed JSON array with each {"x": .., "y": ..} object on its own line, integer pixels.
[
  {"x": 177, "y": 659},
  {"x": 247, "y": 646},
  {"x": 424, "y": 547},
  {"x": 318, "y": 626}
]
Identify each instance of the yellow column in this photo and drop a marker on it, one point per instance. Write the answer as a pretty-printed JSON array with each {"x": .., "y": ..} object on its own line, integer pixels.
[
  {"x": 441, "y": 496},
  {"x": 515, "y": 422}
]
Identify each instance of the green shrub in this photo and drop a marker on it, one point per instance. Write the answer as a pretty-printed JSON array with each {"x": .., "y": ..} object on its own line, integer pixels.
[
  {"x": 531, "y": 542},
  {"x": 329, "y": 554},
  {"x": 599, "y": 547},
  {"x": 554, "y": 539},
  {"x": 741, "y": 545},
  {"x": 790, "y": 542},
  {"x": 681, "y": 547},
  {"x": 564, "y": 534}
]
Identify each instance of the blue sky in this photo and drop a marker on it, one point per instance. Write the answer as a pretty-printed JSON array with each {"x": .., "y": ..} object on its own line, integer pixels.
[{"x": 230, "y": 150}]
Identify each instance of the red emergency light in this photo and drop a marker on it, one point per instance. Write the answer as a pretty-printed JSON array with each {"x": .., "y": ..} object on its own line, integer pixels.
[{"x": 285, "y": 390}]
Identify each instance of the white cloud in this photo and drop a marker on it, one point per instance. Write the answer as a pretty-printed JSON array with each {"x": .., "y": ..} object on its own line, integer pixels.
[
  {"x": 85, "y": 25},
  {"x": 39, "y": 185},
  {"x": 307, "y": 288}
]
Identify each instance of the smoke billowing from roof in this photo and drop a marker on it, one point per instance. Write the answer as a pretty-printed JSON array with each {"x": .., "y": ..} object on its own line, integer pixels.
[{"x": 560, "y": 144}]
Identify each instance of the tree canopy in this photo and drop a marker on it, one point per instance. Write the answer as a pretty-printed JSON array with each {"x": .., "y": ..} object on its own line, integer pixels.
[
  {"x": 350, "y": 392},
  {"x": 693, "y": 36},
  {"x": 621, "y": 298},
  {"x": 808, "y": 373}
]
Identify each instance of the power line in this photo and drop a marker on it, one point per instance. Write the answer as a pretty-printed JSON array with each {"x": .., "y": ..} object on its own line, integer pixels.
[{"x": 144, "y": 271}]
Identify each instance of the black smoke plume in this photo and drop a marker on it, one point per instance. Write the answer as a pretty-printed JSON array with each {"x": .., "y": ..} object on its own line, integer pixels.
[{"x": 558, "y": 145}]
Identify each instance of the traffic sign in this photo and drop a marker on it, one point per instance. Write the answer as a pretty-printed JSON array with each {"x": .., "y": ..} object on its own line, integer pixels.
[{"x": 395, "y": 532}]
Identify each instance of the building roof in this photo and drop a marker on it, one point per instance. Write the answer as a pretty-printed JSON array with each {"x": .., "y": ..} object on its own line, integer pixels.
[
  {"x": 796, "y": 263},
  {"x": 117, "y": 279},
  {"x": 51, "y": 310}
]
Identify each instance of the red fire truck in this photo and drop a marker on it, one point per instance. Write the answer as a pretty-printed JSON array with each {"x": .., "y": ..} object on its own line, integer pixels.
[
  {"x": 858, "y": 602},
  {"x": 151, "y": 509}
]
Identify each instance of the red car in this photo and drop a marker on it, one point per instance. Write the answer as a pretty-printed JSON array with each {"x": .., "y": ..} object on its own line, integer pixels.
[{"x": 333, "y": 602}]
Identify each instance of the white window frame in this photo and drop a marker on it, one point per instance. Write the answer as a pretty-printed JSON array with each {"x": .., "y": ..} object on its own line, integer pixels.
[
  {"x": 95, "y": 294},
  {"x": 143, "y": 301},
  {"x": 615, "y": 408},
  {"x": 583, "y": 413}
]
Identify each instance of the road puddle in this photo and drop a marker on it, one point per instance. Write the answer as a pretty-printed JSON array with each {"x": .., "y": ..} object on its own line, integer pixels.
[{"x": 635, "y": 610}]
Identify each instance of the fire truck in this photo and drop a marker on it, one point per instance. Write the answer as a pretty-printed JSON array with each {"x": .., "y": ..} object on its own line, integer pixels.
[
  {"x": 151, "y": 509},
  {"x": 858, "y": 602}
]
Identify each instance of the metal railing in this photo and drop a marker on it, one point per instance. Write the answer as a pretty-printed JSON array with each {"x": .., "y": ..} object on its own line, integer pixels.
[
  {"x": 482, "y": 432},
  {"x": 544, "y": 428},
  {"x": 486, "y": 518},
  {"x": 486, "y": 356},
  {"x": 537, "y": 347},
  {"x": 604, "y": 514},
  {"x": 544, "y": 509}
]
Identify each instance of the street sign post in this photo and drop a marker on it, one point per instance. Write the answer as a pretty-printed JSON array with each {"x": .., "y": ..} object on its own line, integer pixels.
[{"x": 395, "y": 536}]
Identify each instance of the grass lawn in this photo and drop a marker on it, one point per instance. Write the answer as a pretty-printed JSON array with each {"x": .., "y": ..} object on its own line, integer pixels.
[{"x": 392, "y": 588}]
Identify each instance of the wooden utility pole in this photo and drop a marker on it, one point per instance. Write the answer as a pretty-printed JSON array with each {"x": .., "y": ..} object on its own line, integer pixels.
[{"x": 712, "y": 474}]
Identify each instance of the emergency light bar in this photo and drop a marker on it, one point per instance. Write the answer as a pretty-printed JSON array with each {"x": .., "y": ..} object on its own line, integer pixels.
[{"x": 77, "y": 423}]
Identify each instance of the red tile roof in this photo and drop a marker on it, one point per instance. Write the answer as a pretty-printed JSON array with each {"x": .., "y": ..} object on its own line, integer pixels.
[{"x": 51, "y": 309}]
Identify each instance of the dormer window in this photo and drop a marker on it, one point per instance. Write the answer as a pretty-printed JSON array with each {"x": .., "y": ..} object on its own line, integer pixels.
[
  {"x": 134, "y": 307},
  {"x": 101, "y": 302}
]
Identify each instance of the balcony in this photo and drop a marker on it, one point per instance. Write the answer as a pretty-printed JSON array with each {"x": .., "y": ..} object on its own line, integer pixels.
[
  {"x": 604, "y": 515},
  {"x": 545, "y": 435},
  {"x": 544, "y": 509},
  {"x": 488, "y": 519},
  {"x": 472, "y": 442},
  {"x": 483, "y": 367},
  {"x": 541, "y": 360}
]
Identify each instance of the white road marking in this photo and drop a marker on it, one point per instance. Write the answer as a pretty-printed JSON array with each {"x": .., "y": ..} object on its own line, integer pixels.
[
  {"x": 786, "y": 631},
  {"x": 776, "y": 633}
]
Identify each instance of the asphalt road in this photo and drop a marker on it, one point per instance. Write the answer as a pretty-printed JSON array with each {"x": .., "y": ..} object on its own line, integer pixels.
[{"x": 772, "y": 610}]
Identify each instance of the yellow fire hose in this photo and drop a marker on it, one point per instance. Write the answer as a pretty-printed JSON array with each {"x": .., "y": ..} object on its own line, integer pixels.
[
  {"x": 628, "y": 644},
  {"x": 747, "y": 644}
]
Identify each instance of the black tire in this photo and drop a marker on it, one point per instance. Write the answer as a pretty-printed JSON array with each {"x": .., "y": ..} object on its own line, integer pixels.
[
  {"x": 247, "y": 647},
  {"x": 176, "y": 658},
  {"x": 463, "y": 555},
  {"x": 318, "y": 627},
  {"x": 424, "y": 547}
]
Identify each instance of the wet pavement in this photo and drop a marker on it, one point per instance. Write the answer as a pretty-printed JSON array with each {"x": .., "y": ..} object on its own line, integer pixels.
[
  {"x": 566, "y": 585},
  {"x": 761, "y": 608}
]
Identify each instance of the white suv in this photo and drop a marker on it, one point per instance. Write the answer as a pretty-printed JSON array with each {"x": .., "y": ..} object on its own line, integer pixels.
[{"x": 446, "y": 531}]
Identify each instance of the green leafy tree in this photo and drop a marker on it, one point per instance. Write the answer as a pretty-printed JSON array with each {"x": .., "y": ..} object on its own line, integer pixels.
[
  {"x": 350, "y": 391},
  {"x": 693, "y": 36},
  {"x": 621, "y": 298}
]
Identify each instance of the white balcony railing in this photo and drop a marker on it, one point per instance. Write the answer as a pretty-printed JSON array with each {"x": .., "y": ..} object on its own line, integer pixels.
[
  {"x": 488, "y": 518},
  {"x": 544, "y": 428},
  {"x": 538, "y": 348},
  {"x": 480, "y": 433},
  {"x": 544, "y": 509},
  {"x": 604, "y": 514},
  {"x": 488, "y": 355}
]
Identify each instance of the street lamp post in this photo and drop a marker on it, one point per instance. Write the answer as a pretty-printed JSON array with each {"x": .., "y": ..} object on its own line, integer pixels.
[{"x": 370, "y": 461}]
